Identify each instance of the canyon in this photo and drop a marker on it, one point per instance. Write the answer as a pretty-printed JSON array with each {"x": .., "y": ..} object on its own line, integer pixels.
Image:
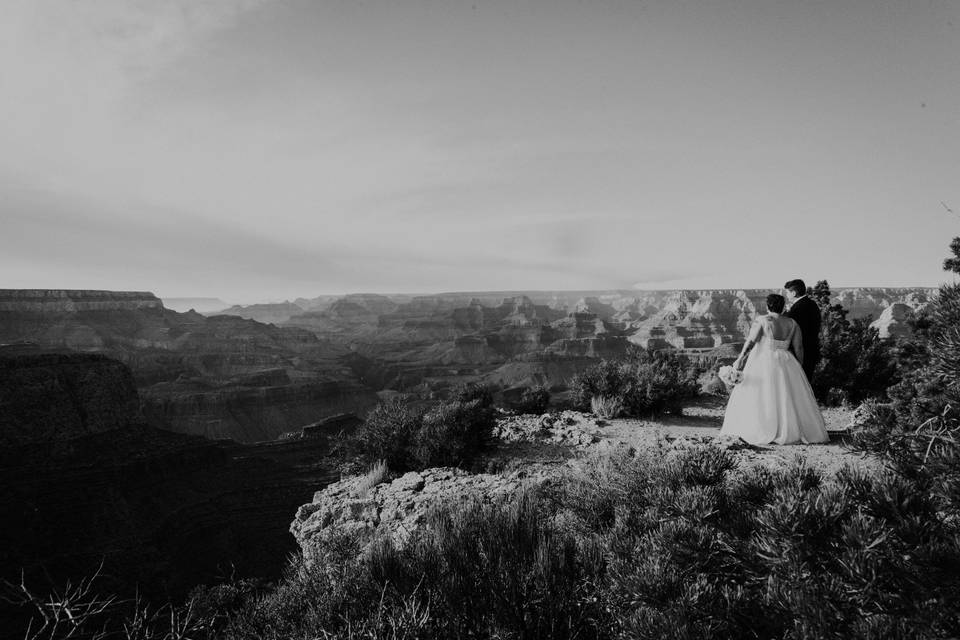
[
  {"x": 217, "y": 376},
  {"x": 88, "y": 481},
  {"x": 425, "y": 344},
  {"x": 252, "y": 373}
]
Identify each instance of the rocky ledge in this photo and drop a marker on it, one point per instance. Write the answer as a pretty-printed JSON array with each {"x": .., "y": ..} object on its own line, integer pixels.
[
  {"x": 395, "y": 509},
  {"x": 571, "y": 428},
  {"x": 371, "y": 509}
]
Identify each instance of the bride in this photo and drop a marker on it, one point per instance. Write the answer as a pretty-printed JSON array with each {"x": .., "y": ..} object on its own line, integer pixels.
[{"x": 774, "y": 402}]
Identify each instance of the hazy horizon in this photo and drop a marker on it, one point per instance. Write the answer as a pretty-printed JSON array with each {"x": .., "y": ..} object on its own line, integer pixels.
[
  {"x": 258, "y": 150},
  {"x": 503, "y": 291}
]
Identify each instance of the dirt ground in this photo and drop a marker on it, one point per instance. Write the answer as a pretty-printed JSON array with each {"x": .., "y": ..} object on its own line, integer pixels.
[
  {"x": 525, "y": 443},
  {"x": 702, "y": 419}
]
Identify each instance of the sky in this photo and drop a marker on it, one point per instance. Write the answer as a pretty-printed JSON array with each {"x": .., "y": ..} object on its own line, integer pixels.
[{"x": 260, "y": 150}]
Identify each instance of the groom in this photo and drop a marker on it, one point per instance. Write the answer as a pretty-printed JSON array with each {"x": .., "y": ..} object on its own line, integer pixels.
[{"x": 806, "y": 313}]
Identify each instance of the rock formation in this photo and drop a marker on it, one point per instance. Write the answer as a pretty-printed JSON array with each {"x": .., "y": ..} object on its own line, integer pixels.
[
  {"x": 220, "y": 376},
  {"x": 395, "y": 509},
  {"x": 569, "y": 428},
  {"x": 894, "y": 321},
  {"x": 273, "y": 313},
  {"x": 427, "y": 343},
  {"x": 863, "y": 302}
]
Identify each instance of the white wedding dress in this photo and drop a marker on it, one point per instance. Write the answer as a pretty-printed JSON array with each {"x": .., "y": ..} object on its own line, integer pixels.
[{"x": 774, "y": 403}]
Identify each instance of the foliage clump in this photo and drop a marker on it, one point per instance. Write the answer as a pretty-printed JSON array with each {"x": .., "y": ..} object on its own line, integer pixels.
[
  {"x": 642, "y": 384},
  {"x": 855, "y": 362},
  {"x": 408, "y": 437},
  {"x": 533, "y": 400}
]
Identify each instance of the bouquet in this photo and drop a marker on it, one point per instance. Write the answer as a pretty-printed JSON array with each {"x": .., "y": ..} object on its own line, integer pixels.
[{"x": 730, "y": 375}]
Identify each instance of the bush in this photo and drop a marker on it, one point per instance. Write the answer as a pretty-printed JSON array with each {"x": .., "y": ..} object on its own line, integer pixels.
[
  {"x": 855, "y": 363},
  {"x": 473, "y": 391},
  {"x": 453, "y": 433},
  {"x": 534, "y": 400},
  {"x": 406, "y": 437},
  {"x": 497, "y": 570},
  {"x": 699, "y": 550},
  {"x": 389, "y": 432},
  {"x": 644, "y": 383}
]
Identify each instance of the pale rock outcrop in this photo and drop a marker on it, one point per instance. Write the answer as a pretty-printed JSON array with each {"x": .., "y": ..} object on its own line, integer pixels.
[
  {"x": 394, "y": 510},
  {"x": 894, "y": 321},
  {"x": 864, "y": 301},
  {"x": 571, "y": 428}
]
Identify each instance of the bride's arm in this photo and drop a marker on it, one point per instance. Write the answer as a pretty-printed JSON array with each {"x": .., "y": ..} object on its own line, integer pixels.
[
  {"x": 797, "y": 343},
  {"x": 752, "y": 338}
]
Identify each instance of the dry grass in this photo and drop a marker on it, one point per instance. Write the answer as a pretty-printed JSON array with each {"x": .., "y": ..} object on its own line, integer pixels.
[
  {"x": 606, "y": 407},
  {"x": 376, "y": 475}
]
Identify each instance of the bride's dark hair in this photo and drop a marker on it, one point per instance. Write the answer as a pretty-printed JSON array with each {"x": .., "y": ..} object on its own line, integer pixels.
[{"x": 775, "y": 303}]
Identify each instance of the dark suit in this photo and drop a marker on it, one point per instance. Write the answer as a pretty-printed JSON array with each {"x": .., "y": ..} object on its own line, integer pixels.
[{"x": 806, "y": 313}]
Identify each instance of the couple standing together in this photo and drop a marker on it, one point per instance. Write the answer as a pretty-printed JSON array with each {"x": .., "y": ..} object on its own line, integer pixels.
[{"x": 774, "y": 402}]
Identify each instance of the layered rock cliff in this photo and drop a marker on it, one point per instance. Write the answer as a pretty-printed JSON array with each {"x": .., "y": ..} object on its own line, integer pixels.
[
  {"x": 55, "y": 301},
  {"x": 424, "y": 343},
  {"x": 220, "y": 376}
]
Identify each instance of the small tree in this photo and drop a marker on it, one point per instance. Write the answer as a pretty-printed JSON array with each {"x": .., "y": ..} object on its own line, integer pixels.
[
  {"x": 953, "y": 263},
  {"x": 855, "y": 362}
]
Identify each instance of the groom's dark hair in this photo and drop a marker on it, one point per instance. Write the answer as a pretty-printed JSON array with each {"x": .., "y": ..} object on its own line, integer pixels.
[
  {"x": 776, "y": 303},
  {"x": 797, "y": 286}
]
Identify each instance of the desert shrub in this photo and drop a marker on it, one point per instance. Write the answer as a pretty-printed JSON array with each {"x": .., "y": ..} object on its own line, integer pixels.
[
  {"x": 389, "y": 432},
  {"x": 83, "y": 609},
  {"x": 483, "y": 393},
  {"x": 498, "y": 570},
  {"x": 533, "y": 400},
  {"x": 646, "y": 382},
  {"x": 311, "y": 599},
  {"x": 699, "y": 549},
  {"x": 406, "y": 437},
  {"x": 606, "y": 406},
  {"x": 453, "y": 433}
]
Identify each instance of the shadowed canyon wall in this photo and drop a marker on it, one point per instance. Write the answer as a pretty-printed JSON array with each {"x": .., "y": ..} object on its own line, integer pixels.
[{"x": 86, "y": 481}]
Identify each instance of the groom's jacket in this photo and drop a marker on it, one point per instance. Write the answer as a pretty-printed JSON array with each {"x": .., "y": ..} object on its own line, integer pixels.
[{"x": 806, "y": 313}]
